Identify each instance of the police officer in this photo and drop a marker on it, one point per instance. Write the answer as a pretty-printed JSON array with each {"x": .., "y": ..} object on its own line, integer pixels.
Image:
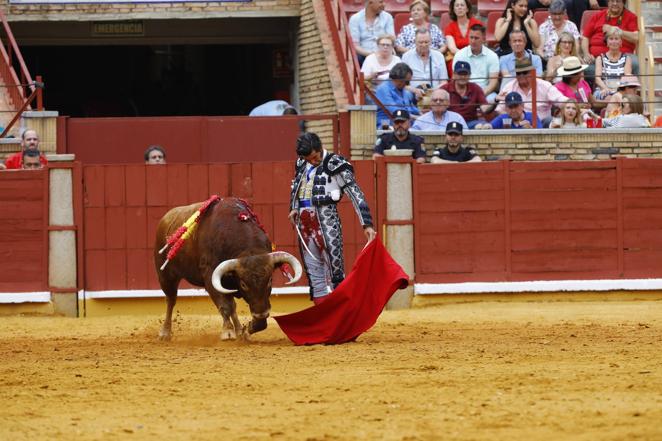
[
  {"x": 454, "y": 151},
  {"x": 400, "y": 138}
]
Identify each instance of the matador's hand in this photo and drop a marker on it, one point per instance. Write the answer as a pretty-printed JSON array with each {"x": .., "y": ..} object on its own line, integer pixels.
[
  {"x": 370, "y": 233},
  {"x": 294, "y": 214}
]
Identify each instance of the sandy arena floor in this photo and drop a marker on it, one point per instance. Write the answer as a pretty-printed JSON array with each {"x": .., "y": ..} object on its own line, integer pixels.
[{"x": 516, "y": 371}]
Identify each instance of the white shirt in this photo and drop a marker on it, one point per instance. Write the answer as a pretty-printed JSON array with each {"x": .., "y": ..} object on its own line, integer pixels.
[{"x": 421, "y": 69}]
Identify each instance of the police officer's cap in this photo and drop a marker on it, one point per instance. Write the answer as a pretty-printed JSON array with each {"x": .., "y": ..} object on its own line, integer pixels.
[
  {"x": 454, "y": 127},
  {"x": 400, "y": 115}
]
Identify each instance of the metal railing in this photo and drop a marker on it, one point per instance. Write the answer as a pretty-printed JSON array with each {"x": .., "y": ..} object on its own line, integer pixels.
[{"x": 21, "y": 89}]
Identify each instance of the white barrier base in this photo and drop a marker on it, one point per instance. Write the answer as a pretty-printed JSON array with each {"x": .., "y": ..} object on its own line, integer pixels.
[
  {"x": 25, "y": 297},
  {"x": 538, "y": 286}
]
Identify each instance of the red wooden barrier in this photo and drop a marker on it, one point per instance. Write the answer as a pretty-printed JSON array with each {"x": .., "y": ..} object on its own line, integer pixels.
[
  {"x": 538, "y": 221},
  {"x": 186, "y": 139},
  {"x": 23, "y": 231},
  {"x": 123, "y": 204}
]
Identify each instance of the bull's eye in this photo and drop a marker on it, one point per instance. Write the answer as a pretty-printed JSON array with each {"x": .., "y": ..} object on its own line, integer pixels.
[{"x": 243, "y": 286}]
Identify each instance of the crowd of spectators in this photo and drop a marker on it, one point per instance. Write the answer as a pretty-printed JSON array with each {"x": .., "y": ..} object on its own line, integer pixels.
[{"x": 582, "y": 76}]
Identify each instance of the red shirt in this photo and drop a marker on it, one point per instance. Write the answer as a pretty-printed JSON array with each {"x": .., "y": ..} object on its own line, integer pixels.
[
  {"x": 593, "y": 31},
  {"x": 465, "y": 105},
  {"x": 15, "y": 161},
  {"x": 453, "y": 29}
]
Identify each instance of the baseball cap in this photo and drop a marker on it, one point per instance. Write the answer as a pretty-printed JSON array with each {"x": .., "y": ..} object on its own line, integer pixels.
[
  {"x": 513, "y": 98},
  {"x": 462, "y": 67},
  {"x": 400, "y": 115},
  {"x": 454, "y": 127}
]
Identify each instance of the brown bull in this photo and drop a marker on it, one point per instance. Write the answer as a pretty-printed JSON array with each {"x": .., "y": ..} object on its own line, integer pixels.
[{"x": 226, "y": 255}]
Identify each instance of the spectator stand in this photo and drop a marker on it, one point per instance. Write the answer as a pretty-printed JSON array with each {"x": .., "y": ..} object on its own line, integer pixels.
[
  {"x": 394, "y": 6},
  {"x": 485, "y": 7}
]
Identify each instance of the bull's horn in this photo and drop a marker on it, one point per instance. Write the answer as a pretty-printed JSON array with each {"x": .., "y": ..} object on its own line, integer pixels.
[
  {"x": 283, "y": 257},
  {"x": 217, "y": 275}
]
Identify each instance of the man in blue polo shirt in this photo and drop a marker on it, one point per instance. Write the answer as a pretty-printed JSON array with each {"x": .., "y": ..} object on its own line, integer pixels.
[
  {"x": 515, "y": 116},
  {"x": 393, "y": 94}
]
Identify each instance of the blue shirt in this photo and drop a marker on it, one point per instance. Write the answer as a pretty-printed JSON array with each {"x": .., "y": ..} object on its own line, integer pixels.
[
  {"x": 497, "y": 123},
  {"x": 394, "y": 99},
  {"x": 365, "y": 36},
  {"x": 421, "y": 70},
  {"x": 428, "y": 123},
  {"x": 507, "y": 64}
]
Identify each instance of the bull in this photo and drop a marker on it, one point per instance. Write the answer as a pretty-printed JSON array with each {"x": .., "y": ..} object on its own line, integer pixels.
[{"x": 229, "y": 255}]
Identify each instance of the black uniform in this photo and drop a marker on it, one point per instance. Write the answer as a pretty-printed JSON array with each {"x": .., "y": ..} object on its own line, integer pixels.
[
  {"x": 414, "y": 142},
  {"x": 464, "y": 154}
]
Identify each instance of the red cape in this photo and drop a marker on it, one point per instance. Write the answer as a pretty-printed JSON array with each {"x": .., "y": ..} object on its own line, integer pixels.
[{"x": 353, "y": 307}]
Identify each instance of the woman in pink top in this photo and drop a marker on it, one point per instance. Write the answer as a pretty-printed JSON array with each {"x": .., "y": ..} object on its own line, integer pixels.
[{"x": 573, "y": 84}]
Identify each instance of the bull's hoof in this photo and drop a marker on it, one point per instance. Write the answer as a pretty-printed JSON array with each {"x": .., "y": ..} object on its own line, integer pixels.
[
  {"x": 228, "y": 334},
  {"x": 165, "y": 336},
  {"x": 244, "y": 336}
]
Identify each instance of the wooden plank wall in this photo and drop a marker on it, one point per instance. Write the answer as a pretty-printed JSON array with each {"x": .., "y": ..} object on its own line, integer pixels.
[
  {"x": 539, "y": 221},
  {"x": 185, "y": 139},
  {"x": 123, "y": 204},
  {"x": 23, "y": 231}
]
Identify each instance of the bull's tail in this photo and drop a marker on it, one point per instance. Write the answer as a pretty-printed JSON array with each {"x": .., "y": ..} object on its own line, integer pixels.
[{"x": 176, "y": 240}]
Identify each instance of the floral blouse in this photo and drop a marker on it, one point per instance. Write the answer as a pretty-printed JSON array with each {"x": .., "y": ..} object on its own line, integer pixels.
[
  {"x": 549, "y": 35},
  {"x": 408, "y": 33}
]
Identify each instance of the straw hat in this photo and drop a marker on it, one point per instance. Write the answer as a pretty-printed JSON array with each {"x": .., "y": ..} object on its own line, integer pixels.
[{"x": 571, "y": 66}]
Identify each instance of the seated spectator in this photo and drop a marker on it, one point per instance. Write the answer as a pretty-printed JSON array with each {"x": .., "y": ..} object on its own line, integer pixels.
[
  {"x": 573, "y": 84},
  {"x": 516, "y": 118},
  {"x": 400, "y": 138},
  {"x": 467, "y": 98},
  {"x": 611, "y": 66},
  {"x": 394, "y": 95},
  {"x": 457, "y": 31},
  {"x": 516, "y": 17},
  {"x": 593, "y": 41},
  {"x": 629, "y": 85},
  {"x": 31, "y": 160},
  {"x": 439, "y": 116},
  {"x": 155, "y": 154},
  {"x": 29, "y": 141},
  {"x": 575, "y": 8},
  {"x": 274, "y": 108},
  {"x": 377, "y": 65},
  {"x": 552, "y": 29},
  {"x": 428, "y": 66},
  {"x": 565, "y": 47},
  {"x": 546, "y": 94},
  {"x": 483, "y": 61},
  {"x": 570, "y": 117},
  {"x": 420, "y": 13},
  {"x": 507, "y": 62},
  {"x": 368, "y": 24},
  {"x": 632, "y": 115},
  {"x": 454, "y": 151}
]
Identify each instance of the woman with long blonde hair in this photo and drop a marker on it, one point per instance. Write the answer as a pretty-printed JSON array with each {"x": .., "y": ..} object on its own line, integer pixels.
[
  {"x": 570, "y": 117},
  {"x": 566, "y": 46}
]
